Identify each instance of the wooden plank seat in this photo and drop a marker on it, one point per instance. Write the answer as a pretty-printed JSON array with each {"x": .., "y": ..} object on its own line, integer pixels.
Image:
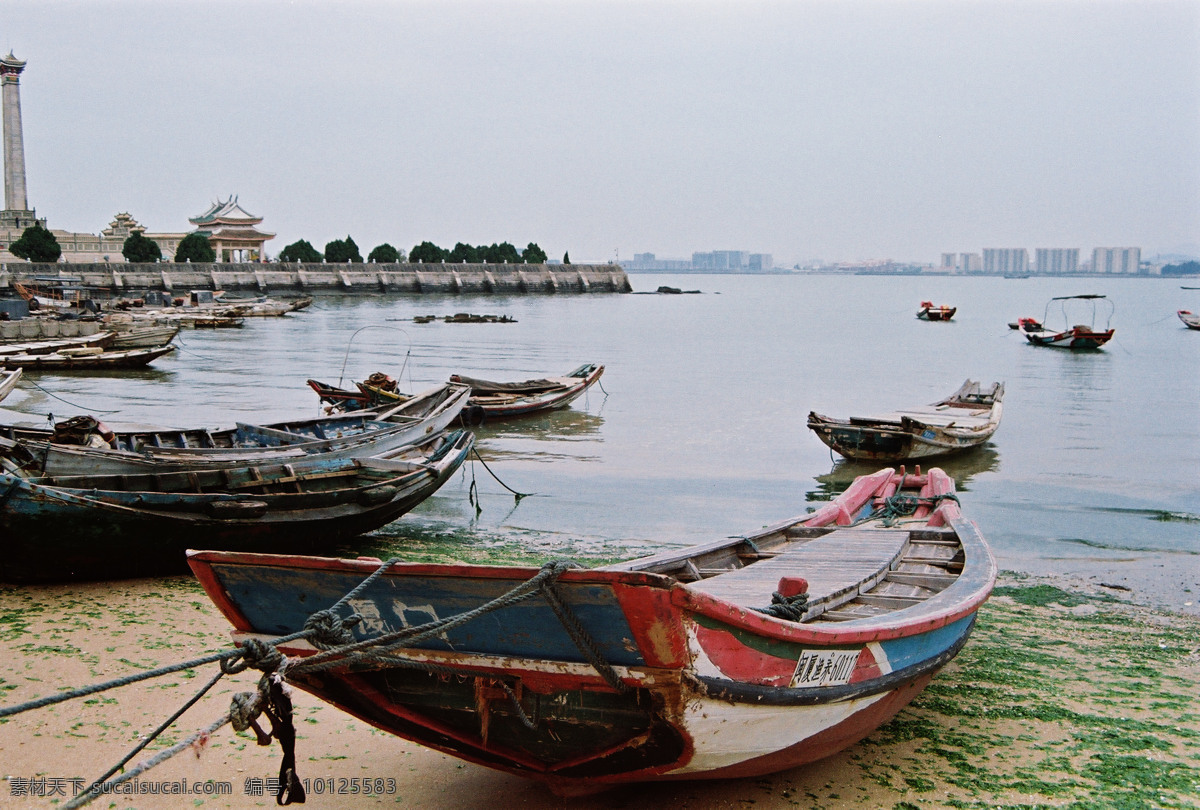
[{"x": 838, "y": 566}]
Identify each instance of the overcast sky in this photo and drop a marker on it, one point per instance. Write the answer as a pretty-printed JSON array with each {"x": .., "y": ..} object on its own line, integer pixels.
[{"x": 832, "y": 130}]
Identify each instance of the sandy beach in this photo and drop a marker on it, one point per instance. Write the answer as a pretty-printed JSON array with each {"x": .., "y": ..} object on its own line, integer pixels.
[{"x": 1064, "y": 696}]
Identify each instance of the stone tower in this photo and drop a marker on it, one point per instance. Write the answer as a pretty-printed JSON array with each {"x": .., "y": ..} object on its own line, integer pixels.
[{"x": 16, "y": 204}]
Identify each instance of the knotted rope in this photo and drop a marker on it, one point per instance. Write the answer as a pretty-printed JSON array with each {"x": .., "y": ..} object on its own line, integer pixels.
[
  {"x": 902, "y": 505},
  {"x": 791, "y": 608},
  {"x": 330, "y": 632}
]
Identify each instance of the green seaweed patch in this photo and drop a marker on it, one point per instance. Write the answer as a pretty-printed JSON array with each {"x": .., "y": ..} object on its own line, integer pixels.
[{"x": 1039, "y": 595}]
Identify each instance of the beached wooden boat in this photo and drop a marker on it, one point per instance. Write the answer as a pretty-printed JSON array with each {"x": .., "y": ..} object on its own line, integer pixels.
[
  {"x": 682, "y": 665},
  {"x": 84, "y": 359},
  {"x": 8, "y": 381},
  {"x": 1079, "y": 336},
  {"x": 967, "y": 418},
  {"x": 929, "y": 312},
  {"x": 1190, "y": 319},
  {"x": 84, "y": 446},
  {"x": 489, "y": 400},
  {"x": 118, "y": 526}
]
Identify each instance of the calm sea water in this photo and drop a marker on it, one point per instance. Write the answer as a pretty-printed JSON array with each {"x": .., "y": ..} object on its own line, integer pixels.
[{"x": 699, "y": 431}]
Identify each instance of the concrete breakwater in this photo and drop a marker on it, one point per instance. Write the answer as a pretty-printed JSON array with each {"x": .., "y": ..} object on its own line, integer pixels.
[{"x": 400, "y": 278}]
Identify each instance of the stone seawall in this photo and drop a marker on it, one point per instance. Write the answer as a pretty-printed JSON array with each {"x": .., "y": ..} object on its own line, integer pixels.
[{"x": 399, "y": 278}]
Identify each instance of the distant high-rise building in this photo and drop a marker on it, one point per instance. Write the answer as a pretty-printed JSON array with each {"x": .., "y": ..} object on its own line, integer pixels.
[
  {"x": 721, "y": 260},
  {"x": 1116, "y": 260},
  {"x": 950, "y": 261},
  {"x": 760, "y": 262},
  {"x": 970, "y": 263},
  {"x": 1056, "y": 261},
  {"x": 1005, "y": 260}
]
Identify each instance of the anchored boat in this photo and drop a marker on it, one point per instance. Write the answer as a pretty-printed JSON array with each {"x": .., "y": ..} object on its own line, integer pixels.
[
  {"x": 119, "y": 526},
  {"x": 1190, "y": 319},
  {"x": 489, "y": 400},
  {"x": 734, "y": 658},
  {"x": 84, "y": 446},
  {"x": 967, "y": 418},
  {"x": 1079, "y": 336},
  {"x": 929, "y": 312}
]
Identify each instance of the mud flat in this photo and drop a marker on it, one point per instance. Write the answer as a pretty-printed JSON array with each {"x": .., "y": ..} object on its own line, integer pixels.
[{"x": 1065, "y": 696}]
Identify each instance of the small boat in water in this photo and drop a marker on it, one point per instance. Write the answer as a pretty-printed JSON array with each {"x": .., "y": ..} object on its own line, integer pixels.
[
  {"x": 929, "y": 312},
  {"x": 143, "y": 337},
  {"x": 734, "y": 658},
  {"x": 1190, "y": 319},
  {"x": 96, "y": 340},
  {"x": 1026, "y": 324},
  {"x": 489, "y": 400},
  {"x": 8, "y": 381},
  {"x": 56, "y": 528},
  {"x": 84, "y": 446},
  {"x": 967, "y": 418},
  {"x": 501, "y": 400},
  {"x": 1079, "y": 336},
  {"x": 84, "y": 359}
]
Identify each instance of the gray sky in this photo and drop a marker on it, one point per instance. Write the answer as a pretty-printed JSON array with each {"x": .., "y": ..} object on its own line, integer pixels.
[{"x": 838, "y": 130}]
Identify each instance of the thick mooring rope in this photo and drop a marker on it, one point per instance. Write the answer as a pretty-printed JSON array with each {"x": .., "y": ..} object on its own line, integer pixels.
[
  {"x": 329, "y": 632},
  {"x": 903, "y": 505}
]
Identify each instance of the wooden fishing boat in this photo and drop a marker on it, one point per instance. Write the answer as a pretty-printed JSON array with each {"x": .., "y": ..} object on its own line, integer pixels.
[
  {"x": 143, "y": 337},
  {"x": 967, "y": 418},
  {"x": 84, "y": 446},
  {"x": 734, "y": 658},
  {"x": 84, "y": 359},
  {"x": 98, "y": 340},
  {"x": 8, "y": 381},
  {"x": 118, "y": 526},
  {"x": 500, "y": 400},
  {"x": 489, "y": 400},
  {"x": 929, "y": 312},
  {"x": 1079, "y": 336},
  {"x": 1190, "y": 319}
]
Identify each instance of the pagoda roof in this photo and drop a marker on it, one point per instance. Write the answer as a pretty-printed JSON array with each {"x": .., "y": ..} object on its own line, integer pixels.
[
  {"x": 235, "y": 234},
  {"x": 228, "y": 211}
]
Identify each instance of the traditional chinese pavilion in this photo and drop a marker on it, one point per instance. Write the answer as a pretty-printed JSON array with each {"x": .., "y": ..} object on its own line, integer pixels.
[{"x": 232, "y": 233}]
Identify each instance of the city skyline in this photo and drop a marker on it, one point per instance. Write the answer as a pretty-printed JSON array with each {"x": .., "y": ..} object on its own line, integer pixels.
[{"x": 605, "y": 129}]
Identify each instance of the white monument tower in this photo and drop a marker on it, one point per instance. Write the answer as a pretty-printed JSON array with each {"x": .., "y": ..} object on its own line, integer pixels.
[{"x": 17, "y": 213}]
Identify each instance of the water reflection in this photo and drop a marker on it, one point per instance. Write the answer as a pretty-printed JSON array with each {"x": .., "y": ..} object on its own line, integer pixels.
[
  {"x": 962, "y": 467},
  {"x": 552, "y": 426}
]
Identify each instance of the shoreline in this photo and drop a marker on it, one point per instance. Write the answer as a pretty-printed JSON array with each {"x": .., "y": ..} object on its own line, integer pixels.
[{"x": 1065, "y": 693}]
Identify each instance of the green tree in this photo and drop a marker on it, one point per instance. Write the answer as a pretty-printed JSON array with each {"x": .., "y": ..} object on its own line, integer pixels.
[
  {"x": 139, "y": 248},
  {"x": 534, "y": 254},
  {"x": 384, "y": 254},
  {"x": 498, "y": 254},
  {"x": 340, "y": 251},
  {"x": 428, "y": 253},
  {"x": 463, "y": 253},
  {"x": 300, "y": 251},
  {"x": 567, "y": 257},
  {"x": 36, "y": 244},
  {"x": 195, "y": 248}
]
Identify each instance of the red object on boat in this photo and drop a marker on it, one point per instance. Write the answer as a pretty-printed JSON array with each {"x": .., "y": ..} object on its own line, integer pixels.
[{"x": 792, "y": 586}]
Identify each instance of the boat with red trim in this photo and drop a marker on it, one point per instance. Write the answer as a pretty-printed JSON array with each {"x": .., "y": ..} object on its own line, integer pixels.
[
  {"x": 1079, "y": 336},
  {"x": 1190, "y": 319},
  {"x": 930, "y": 312},
  {"x": 734, "y": 658}
]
